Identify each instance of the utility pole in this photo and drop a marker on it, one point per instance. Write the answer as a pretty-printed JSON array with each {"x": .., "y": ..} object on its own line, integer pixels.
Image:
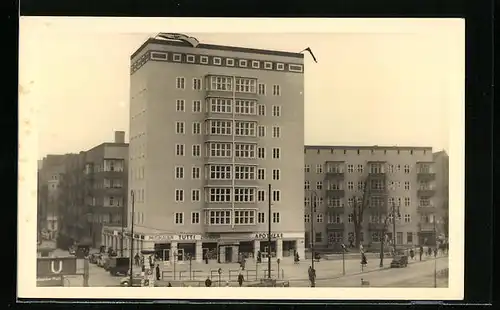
[
  {"x": 132, "y": 238},
  {"x": 123, "y": 231},
  {"x": 269, "y": 234},
  {"x": 314, "y": 198},
  {"x": 395, "y": 212}
]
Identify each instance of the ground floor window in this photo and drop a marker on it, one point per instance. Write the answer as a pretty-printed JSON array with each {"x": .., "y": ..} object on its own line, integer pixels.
[
  {"x": 409, "y": 237},
  {"x": 335, "y": 237}
]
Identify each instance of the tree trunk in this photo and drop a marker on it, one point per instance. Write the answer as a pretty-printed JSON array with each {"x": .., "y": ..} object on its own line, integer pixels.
[{"x": 357, "y": 234}]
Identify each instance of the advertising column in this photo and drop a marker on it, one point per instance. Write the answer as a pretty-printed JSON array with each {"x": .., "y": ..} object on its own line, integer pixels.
[
  {"x": 173, "y": 252},
  {"x": 256, "y": 248},
  {"x": 279, "y": 248},
  {"x": 300, "y": 246},
  {"x": 199, "y": 251}
]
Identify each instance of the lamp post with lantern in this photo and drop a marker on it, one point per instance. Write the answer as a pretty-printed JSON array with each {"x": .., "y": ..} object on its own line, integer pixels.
[{"x": 314, "y": 198}]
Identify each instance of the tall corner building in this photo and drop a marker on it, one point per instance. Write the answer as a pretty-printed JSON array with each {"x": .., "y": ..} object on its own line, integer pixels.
[
  {"x": 395, "y": 182},
  {"x": 211, "y": 127}
]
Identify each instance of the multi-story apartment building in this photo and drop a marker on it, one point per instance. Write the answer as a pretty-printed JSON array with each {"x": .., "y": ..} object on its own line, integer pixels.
[
  {"x": 382, "y": 179},
  {"x": 94, "y": 188},
  {"x": 51, "y": 170},
  {"x": 211, "y": 127},
  {"x": 441, "y": 164}
]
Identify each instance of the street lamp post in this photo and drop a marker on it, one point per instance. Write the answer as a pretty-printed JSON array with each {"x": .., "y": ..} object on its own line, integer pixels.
[
  {"x": 132, "y": 238},
  {"x": 123, "y": 232},
  {"x": 313, "y": 212},
  {"x": 435, "y": 258},
  {"x": 394, "y": 213}
]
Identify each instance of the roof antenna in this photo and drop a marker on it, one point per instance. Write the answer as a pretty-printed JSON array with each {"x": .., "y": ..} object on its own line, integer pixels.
[{"x": 310, "y": 52}]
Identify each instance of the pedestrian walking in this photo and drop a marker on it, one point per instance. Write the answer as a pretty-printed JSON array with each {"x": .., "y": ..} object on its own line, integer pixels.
[
  {"x": 169, "y": 284},
  {"x": 137, "y": 259},
  {"x": 429, "y": 251},
  {"x": 240, "y": 279},
  {"x": 363, "y": 259},
  {"x": 259, "y": 257},
  {"x": 208, "y": 282},
  {"x": 435, "y": 252},
  {"x": 421, "y": 252},
  {"x": 412, "y": 254},
  {"x": 158, "y": 272},
  {"x": 312, "y": 276}
]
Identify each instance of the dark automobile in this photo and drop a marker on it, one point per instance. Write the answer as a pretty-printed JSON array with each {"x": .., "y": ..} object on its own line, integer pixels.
[
  {"x": 118, "y": 266},
  {"x": 93, "y": 258},
  {"x": 399, "y": 261},
  {"x": 136, "y": 281}
]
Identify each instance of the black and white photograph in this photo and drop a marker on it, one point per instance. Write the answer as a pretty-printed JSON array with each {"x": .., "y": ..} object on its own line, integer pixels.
[{"x": 247, "y": 159}]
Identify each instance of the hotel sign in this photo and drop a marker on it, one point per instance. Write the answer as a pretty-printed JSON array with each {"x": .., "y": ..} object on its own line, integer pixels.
[{"x": 181, "y": 237}]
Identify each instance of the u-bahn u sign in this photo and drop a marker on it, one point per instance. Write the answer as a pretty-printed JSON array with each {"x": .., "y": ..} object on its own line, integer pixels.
[{"x": 55, "y": 266}]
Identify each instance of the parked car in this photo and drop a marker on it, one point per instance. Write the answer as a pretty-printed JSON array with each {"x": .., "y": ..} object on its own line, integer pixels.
[
  {"x": 93, "y": 258},
  {"x": 101, "y": 260},
  {"x": 399, "y": 261},
  {"x": 136, "y": 281}
]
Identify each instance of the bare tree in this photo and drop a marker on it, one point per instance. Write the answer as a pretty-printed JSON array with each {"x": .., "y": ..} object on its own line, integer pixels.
[{"x": 359, "y": 206}]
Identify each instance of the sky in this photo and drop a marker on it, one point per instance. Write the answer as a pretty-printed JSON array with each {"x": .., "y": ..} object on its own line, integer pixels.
[{"x": 391, "y": 83}]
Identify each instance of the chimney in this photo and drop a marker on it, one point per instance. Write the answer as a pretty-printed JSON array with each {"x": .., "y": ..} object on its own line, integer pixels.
[{"x": 119, "y": 136}]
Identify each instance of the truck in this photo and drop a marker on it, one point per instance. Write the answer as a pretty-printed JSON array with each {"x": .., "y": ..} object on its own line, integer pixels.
[{"x": 118, "y": 266}]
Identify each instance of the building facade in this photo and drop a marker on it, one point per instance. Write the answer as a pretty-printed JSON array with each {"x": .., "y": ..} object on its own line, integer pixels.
[
  {"x": 442, "y": 163},
  {"x": 382, "y": 180},
  {"x": 211, "y": 127}
]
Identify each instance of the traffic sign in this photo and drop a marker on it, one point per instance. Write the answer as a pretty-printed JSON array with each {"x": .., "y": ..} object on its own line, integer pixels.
[
  {"x": 150, "y": 272},
  {"x": 55, "y": 266}
]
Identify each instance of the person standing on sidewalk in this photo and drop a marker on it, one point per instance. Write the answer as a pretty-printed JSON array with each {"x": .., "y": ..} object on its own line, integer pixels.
[
  {"x": 158, "y": 272},
  {"x": 240, "y": 279},
  {"x": 208, "y": 282},
  {"x": 421, "y": 252}
]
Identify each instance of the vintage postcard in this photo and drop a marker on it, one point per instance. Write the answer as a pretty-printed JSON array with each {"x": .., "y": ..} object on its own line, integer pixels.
[{"x": 211, "y": 158}]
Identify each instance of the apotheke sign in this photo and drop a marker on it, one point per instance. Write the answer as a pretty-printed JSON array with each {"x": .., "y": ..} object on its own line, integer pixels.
[{"x": 265, "y": 236}]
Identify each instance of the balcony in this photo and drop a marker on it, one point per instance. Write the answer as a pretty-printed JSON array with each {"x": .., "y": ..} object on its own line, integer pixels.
[
  {"x": 426, "y": 227},
  {"x": 426, "y": 209},
  {"x": 426, "y": 191},
  {"x": 334, "y": 175},
  {"x": 377, "y": 190},
  {"x": 209, "y": 136},
  {"x": 426, "y": 175},
  {"x": 337, "y": 193},
  {"x": 376, "y": 226},
  {"x": 108, "y": 174},
  {"x": 238, "y": 228},
  {"x": 227, "y": 206},
  {"x": 335, "y": 226},
  {"x": 336, "y": 209}
]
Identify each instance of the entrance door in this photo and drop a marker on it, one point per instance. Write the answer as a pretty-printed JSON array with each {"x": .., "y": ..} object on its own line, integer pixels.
[
  {"x": 180, "y": 255},
  {"x": 229, "y": 254}
]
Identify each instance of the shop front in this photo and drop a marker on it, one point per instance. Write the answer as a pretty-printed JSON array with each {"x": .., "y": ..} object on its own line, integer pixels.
[{"x": 177, "y": 247}]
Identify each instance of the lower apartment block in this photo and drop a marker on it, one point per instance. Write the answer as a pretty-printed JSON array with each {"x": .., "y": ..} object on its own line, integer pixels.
[{"x": 386, "y": 183}]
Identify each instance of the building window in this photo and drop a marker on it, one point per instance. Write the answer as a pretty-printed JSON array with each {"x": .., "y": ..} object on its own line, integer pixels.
[
  {"x": 244, "y": 150},
  {"x": 350, "y": 185},
  {"x": 244, "y": 172},
  {"x": 280, "y": 66},
  {"x": 261, "y": 131},
  {"x": 180, "y": 105},
  {"x": 230, "y": 62},
  {"x": 196, "y": 106},
  {"x": 220, "y": 217},
  {"x": 261, "y": 87},
  {"x": 219, "y": 194},
  {"x": 243, "y": 63},
  {"x": 179, "y": 195},
  {"x": 318, "y": 237},
  {"x": 319, "y": 168},
  {"x": 244, "y": 85},
  {"x": 261, "y": 195},
  {"x": 222, "y": 83},
  {"x": 276, "y": 217},
  {"x": 350, "y": 218},
  {"x": 350, "y": 168},
  {"x": 334, "y": 218},
  {"x": 220, "y": 105},
  {"x": 407, "y": 185},
  {"x": 375, "y": 236},
  {"x": 261, "y": 173},
  {"x": 319, "y": 185},
  {"x": 204, "y": 60},
  {"x": 360, "y": 169},
  {"x": 196, "y": 128},
  {"x": 276, "y": 174},
  {"x": 179, "y": 218},
  {"x": 177, "y": 57},
  {"x": 276, "y": 132},
  {"x": 220, "y": 172},
  {"x": 336, "y": 237},
  {"x": 268, "y": 65},
  {"x": 196, "y": 150},
  {"x": 255, "y": 64},
  {"x": 196, "y": 84},
  {"x": 261, "y": 218},
  {"x": 360, "y": 186},
  {"x": 180, "y": 83},
  {"x": 217, "y": 61},
  {"x": 195, "y": 217},
  {"x": 179, "y": 127},
  {"x": 276, "y": 110},
  {"x": 219, "y": 127},
  {"x": 276, "y": 90},
  {"x": 407, "y": 169},
  {"x": 295, "y": 68},
  {"x": 244, "y": 194},
  {"x": 409, "y": 237},
  {"x": 179, "y": 149},
  {"x": 245, "y": 107},
  {"x": 307, "y": 185},
  {"x": 195, "y": 195},
  {"x": 407, "y": 218},
  {"x": 261, "y": 153},
  {"x": 276, "y": 153},
  {"x": 261, "y": 110},
  {"x": 195, "y": 173},
  {"x": 307, "y": 168},
  {"x": 307, "y": 202},
  {"x": 276, "y": 195},
  {"x": 158, "y": 56},
  {"x": 407, "y": 201},
  {"x": 244, "y": 217},
  {"x": 179, "y": 172},
  {"x": 245, "y": 129},
  {"x": 190, "y": 58},
  {"x": 319, "y": 217},
  {"x": 307, "y": 218}
]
